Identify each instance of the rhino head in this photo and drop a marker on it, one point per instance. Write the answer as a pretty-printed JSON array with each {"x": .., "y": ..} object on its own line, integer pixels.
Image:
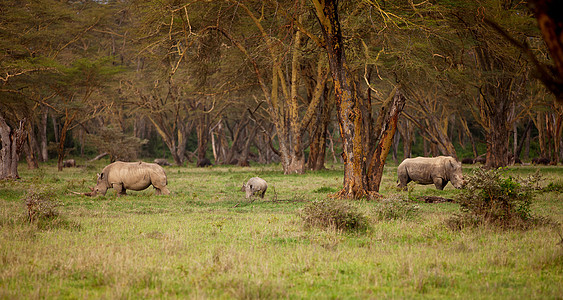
[
  {"x": 101, "y": 185},
  {"x": 455, "y": 174}
]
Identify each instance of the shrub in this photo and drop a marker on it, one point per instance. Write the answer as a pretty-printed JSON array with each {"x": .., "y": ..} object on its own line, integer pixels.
[
  {"x": 553, "y": 187},
  {"x": 490, "y": 198},
  {"x": 42, "y": 210},
  {"x": 395, "y": 207},
  {"x": 40, "y": 203},
  {"x": 333, "y": 214}
]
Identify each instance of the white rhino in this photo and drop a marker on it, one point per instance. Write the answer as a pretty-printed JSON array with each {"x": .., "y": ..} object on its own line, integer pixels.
[
  {"x": 430, "y": 170},
  {"x": 136, "y": 176},
  {"x": 255, "y": 185}
]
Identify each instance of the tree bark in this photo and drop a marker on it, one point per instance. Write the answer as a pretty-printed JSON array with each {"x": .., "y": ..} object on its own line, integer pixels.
[
  {"x": 318, "y": 134},
  {"x": 12, "y": 143},
  {"x": 348, "y": 104},
  {"x": 375, "y": 170},
  {"x": 29, "y": 149},
  {"x": 62, "y": 139}
]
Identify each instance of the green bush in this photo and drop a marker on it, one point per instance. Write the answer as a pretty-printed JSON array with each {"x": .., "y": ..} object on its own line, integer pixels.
[
  {"x": 41, "y": 204},
  {"x": 489, "y": 198},
  {"x": 395, "y": 207},
  {"x": 333, "y": 214},
  {"x": 553, "y": 187}
]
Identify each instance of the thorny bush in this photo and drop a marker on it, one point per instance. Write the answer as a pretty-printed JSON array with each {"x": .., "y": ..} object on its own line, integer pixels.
[
  {"x": 42, "y": 210},
  {"x": 333, "y": 214},
  {"x": 493, "y": 199},
  {"x": 394, "y": 207}
]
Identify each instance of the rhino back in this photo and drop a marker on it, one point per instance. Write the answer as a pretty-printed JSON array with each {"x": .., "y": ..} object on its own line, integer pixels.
[
  {"x": 423, "y": 169},
  {"x": 134, "y": 175},
  {"x": 257, "y": 184}
]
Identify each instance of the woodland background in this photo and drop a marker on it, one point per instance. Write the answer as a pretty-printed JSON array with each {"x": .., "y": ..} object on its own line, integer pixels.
[{"x": 236, "y": 82}]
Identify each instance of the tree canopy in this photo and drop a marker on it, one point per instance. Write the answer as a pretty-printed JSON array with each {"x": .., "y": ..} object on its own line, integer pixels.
[{"x": 293, "y": 82}]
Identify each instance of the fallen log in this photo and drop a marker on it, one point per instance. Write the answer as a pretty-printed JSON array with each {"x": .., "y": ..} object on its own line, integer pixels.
[{"x": 434, "y": 199}]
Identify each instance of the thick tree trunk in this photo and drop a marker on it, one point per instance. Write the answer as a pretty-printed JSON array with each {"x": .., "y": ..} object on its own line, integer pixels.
[
  {"x": 497, "y": 149},
  {"x": 348, "y": 104},
  {"x": 375, "y": 170},
  {"x": 12, "y": 143}
]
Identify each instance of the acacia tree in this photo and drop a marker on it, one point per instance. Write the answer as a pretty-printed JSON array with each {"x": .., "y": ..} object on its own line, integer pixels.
[
  {"x": 282, "y": 92},
  {"x": 501, "y": 76},
  {"x": 362, "y": 169}
]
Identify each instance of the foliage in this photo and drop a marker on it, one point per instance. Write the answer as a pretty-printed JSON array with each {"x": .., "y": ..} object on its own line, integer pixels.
[
  {"x": 340, "y": 215},
  {"x": 553, "y": 187},
  {"x": 118, "y": 145},
  {"x": 493, "y": 199},
  {"x": 395, "y": 207},
  {"x": 41, "y": 203}
]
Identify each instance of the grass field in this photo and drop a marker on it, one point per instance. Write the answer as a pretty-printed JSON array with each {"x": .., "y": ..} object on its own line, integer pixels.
[{"x": 206, "y": 241}]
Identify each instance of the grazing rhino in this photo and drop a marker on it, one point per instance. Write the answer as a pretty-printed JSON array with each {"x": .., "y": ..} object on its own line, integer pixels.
[
  {"x": 70, "y": 163},
  {"x": 430, "y": 170},
  {"x": 136, "y": 176},
  {"x": 162, "y": 162},
  {"x": 255, "y": 185}
]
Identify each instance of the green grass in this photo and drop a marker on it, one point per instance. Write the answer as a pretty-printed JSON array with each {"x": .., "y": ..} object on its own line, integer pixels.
[{"x": 206, "y": 240}]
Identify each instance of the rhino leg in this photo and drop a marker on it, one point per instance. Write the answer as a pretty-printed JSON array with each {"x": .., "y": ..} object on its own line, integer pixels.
[
  {"x": 118, "y": 187},
  {"x": 403, "y": 180},
  {"x": 440, "y": 183},
  {"x": 160, "y": 185},
  {"x": 161, "y": 191}
]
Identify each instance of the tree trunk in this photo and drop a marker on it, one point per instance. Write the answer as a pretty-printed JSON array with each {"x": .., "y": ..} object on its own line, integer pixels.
[
  {"x": 407, "y": 133},
  {"x": 375, "y": 170},
  {"x": 202, "y": 132},
  {"x": 395, "y": 146},
  {"x": 527, "y": 145},
  {"x": 55, "y": 127},
  {"x": 12, "y": 142},
  {"x": 62, "y": 139},
  {"x": 29, "y": 149},
  {"x": 497, "y": 147},
  {"x": 348, "y": 104},
  {"x": 318, "y": 134},
  {"x": 525, "y": 138},
  {"x": 359, "y": 180},
  {"x": 43, "y": 133}
]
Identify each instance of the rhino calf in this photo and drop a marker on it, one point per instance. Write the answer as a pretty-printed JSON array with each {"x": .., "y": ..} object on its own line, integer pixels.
[
  {"x": 430, "y": 170},
  {"x": 136, "y": 176},
  {"x": 255, "y": 185}
]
